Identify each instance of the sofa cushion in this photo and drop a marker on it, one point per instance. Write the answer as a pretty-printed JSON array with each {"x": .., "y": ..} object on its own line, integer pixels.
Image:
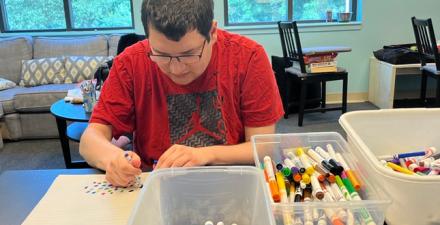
[
  {"x": 7, "y": 99},
  {"x": 81, "y": 68},
  {"x": 42, "y": 71},
  {"x": 113, "y": 41},
  {"x": 33, "y": 99},
  {"x": 46, "y": 47},
  {"x": 12, "y": 51},
  {"x": 40, "y": 98},
  {"x": 6, "y": 84}
]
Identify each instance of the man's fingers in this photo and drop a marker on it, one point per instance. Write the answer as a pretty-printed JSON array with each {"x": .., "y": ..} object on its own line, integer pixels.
[
  {"x": 189, "y": 164},
  {"x": 135, "y": 159},
  {"x": 180, "y": 161},
  {"x": 171, "y": 158},
  {"x": 164, "y": 156}
]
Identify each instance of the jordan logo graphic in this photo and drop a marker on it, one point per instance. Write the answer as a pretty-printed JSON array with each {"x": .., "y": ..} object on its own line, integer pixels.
[{"x": 196, "y": 119}]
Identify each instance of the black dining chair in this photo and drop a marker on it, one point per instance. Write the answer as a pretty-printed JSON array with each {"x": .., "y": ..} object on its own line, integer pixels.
[
  {"x": 293, "y": 56},
  {"x": 427, "y": 48}
]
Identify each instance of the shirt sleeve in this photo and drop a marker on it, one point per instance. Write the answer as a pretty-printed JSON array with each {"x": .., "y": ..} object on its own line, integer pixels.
[
  {"x": 260, "y": 99},
  {"x": 115, "y": 106}
]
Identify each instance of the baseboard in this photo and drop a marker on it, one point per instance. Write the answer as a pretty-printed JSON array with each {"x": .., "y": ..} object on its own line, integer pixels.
[{"x": 351, "y": 97}]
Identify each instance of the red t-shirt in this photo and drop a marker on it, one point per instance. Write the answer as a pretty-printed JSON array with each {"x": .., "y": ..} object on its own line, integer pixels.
[{"x": 237, "y": 89}]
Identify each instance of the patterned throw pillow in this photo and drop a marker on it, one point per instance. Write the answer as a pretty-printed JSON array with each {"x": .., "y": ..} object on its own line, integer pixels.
[
  {"x": 81, "y": 68},
  {"x": 6, "y": 84},
  {"x": 42, "y": 71}
]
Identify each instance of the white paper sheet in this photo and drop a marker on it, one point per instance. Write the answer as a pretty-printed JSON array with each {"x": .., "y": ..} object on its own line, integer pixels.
[{"x": 84, "y": 199}]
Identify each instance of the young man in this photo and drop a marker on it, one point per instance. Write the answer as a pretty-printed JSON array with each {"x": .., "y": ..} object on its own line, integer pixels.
[{"x": 192, "y": 95}]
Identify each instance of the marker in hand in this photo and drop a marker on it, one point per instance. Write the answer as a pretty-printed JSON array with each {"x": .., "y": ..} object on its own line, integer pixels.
[{"x": 137, "y": 182}]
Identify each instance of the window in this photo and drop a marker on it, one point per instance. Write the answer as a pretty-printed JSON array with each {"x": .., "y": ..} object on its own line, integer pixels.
[
  {"x": 65, "y": 15},
  {"x": 246, "y": 12},
  {"x": 101, "y": 13}
]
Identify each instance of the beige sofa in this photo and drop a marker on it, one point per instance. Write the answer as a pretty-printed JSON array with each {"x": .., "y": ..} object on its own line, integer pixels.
[{"x": 24, "y": 111}]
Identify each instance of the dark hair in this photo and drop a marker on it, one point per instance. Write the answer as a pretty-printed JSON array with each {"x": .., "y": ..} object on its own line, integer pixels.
[{"x": 175, "y": 18}]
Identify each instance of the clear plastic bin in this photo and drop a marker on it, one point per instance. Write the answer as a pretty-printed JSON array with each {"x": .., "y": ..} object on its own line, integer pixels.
[
  {"x": 273, "y": 145},
  {"x": 192, "y": 196},
  {"x": 384, "y": 132}
]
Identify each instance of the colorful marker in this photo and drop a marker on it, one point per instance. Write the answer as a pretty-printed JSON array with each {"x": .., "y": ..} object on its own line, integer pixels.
[
  {"x": 349, "y": 172},
  {"x": 297, "y": 162},
  {"x": 308, "y": 214},
  {"x": 137, "y": 183},
  {"x": 315, "y": 156},
  {"x": 365, "y": 215},
  {"x": 316, "y": 188},
  {"x": 336, "y": 167},
  {"x": 287, "y": 217},
  {"x": 271, "y": 179},
  {"x": 305, "y": 161},
  {"x": 399, "y": 168},
  {"x": 428, "y": 152},
  {"x": 331, "y": 214}
]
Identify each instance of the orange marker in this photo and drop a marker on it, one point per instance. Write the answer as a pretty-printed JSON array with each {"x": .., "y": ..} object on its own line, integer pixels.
[
  {"x": 271, "y": 179},
  {"x": 349, "y": 172}
]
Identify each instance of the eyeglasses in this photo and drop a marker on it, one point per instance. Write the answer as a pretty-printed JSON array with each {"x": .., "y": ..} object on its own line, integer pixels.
[{"x": 186, "y": 59}]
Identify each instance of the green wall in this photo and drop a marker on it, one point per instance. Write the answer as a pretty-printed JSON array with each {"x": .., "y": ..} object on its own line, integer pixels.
[{"x": 381, "y": 23}]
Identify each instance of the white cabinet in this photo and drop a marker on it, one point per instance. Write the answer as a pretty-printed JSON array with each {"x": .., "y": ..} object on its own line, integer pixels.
[{"x": 383, "y": 79}]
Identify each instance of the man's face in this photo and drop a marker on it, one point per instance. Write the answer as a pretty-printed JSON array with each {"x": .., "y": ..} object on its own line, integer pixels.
[{"x": 193, "y": 52}]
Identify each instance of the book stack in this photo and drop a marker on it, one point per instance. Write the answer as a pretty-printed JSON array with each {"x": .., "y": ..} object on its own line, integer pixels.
[{"x": 321, "y": 63}]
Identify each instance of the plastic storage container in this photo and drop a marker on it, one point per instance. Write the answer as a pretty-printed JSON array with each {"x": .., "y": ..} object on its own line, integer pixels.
[
  {"x": 273, "y": 145},
  {"x": 381, "y": 132},
  {"x": 192, "y": 196}
]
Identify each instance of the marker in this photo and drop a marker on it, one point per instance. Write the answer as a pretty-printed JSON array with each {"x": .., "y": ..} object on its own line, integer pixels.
[
  {"x": 297, "y": 162},
  {"x": 336, "y": 192},
  {"x": 154, "y": 164},
  {"x": 331, "y": 151},
  {"x": 315, "y": 156},
  {"x": 434, "y": 173},
  {"x": 292, "y": 193},
  {"x": 220, "y": 223},
  {"x": 435, "y": 165},
  {"x": 316, "y": 188},
  {"x": 298, "y": 193},
  {"x": 365, "y": 215},
  {"x": 305, "y": 178},
  {"x": 321, "y": 178},
  {"x": 271, "y": 179},
  {"x": 343, "y": 189},
  {"x": 287, "y": 184},
  {"x": 399, "y": 168},
  {"x": 209, "y": 222},
  {"x": 426, "y": 162},
  {"x": 287, "y": 217},
  {"x": 349, "y": 172},
  {"x": 137, "y": 183},
  {"x": 291, "y": 165},
  {"x": 305, "y": 161},
  {"x": 308, "y": 215},
  {"x": 279, "y": 166},
  {"x": 428, "y": 152},
  {"x": 336, "y": 168},
  {"x": 331, "y": 214}
]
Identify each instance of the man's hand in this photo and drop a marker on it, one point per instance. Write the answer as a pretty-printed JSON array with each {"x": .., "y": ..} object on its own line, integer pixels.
[
  {"x": 121, "y": 172},
  {"x": 183, "y": 156}
]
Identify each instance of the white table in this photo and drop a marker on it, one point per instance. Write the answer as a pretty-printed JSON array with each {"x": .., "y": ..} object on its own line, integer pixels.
[{"x": 383, "y": 79}]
